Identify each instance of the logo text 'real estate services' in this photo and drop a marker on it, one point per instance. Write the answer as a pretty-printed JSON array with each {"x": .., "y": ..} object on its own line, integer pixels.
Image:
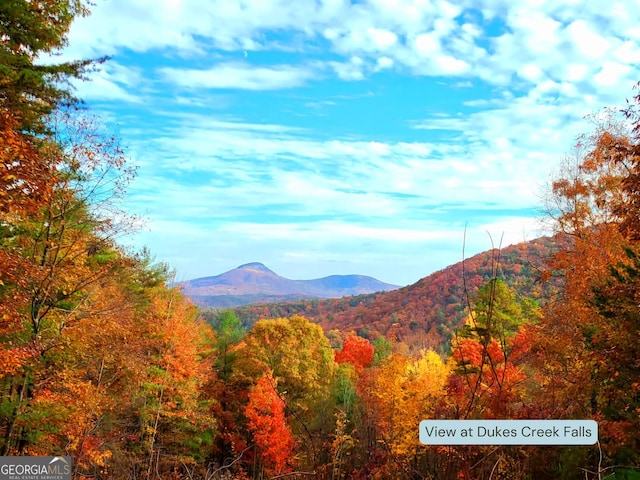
[{"x": 35, "y": 468}]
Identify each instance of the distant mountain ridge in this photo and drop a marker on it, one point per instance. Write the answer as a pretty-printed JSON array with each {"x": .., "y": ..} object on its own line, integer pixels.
[
  {"x": 255, "y": 283},
  {"x": 426, "y": 313}
]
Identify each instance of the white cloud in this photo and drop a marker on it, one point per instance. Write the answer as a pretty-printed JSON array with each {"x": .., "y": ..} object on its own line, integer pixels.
[
  {"x": 627, "y": 52},
  {"x": 547, "y": 68},
  {"x": 541, "y": 33},
  {"x": 240, "y": 76},
  {"x": 576, "y": 72},
  {"x": 589, "y": 43},
  {"x": 448, "y": 65},
  {"x": 384, "y": 63},
  {"x": 427, "y": 44},
  {"x": 352, "y": 70},
  {"x": 531, "y": 72},
  {"x": 271, "y": 165},
  {"x": 382, "y": 38},
  {"x": 611, "y": 73},
  {"x": 112, "y": 82}
]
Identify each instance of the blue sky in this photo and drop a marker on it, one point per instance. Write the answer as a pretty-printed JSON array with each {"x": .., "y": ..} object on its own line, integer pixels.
[{"x": 334, "y": 137}]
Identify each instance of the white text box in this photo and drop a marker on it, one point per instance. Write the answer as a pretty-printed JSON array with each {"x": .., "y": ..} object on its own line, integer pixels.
[{"x": 508, "y": 432}]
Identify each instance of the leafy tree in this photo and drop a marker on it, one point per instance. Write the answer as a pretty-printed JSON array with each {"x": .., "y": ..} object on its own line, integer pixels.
[
  {"x": 613, "y": 343},
  {"x": 229, "y": 394},
  {"x": 229, "y": 333},
  {"x": 268, "y": 425},
  {"x": 382, "y": 349},
  {"x": 301, "y": 359},
  {"x": 396, "y": 395},
  {"x": 29, "y": 30},
  {"x": 298, "y": 354},
  {"x": 582, "y": 347},
  {"x": 357, "y": 351},
  {"x": 488, "y": 380},
  {"x": 26, "y": 185},
  {"x": 25, "y": 177},
  {"x": 56, "y": 244},
  {"x": 174, "y": 416}
]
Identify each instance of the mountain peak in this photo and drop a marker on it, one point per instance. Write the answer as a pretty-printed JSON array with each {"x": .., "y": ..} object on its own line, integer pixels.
[
  {"x": 254, "y": 266},
  {"x": 255, "y": 283}
]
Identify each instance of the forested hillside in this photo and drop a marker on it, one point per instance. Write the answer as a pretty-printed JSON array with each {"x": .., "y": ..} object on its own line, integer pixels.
[
  {"x": 102, "y": 361},
  {"x": 426, "y": 313}
]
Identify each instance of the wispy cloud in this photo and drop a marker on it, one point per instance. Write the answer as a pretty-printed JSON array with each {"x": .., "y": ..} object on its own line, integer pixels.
[
  {"x": 355, "y": 135},
  {"x": 113, "y": 82},
  {"x": 239, "y": 76}
]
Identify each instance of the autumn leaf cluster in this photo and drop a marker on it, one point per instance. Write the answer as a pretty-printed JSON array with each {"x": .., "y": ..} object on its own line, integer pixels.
[{"x": 101, "y": 359}]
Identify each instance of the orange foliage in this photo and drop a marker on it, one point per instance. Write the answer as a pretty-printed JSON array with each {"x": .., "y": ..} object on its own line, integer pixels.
[
  {"x": 425, "y": 314},
  {"x": 268, "y": 425},
  {"x": 357, "y": 351},
  {"x": 488, "y": 382}
]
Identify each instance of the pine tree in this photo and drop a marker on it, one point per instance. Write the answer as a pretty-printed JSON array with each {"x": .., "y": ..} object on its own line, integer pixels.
[{"x": 29, "y": 30}]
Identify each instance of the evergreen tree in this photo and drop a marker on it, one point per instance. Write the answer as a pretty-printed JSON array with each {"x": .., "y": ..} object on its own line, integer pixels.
[{"x": 29, "y": 30}]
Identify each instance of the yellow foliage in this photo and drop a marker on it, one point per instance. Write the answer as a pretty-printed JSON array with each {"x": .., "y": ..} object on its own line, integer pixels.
[{"x": 404, "y": 391}]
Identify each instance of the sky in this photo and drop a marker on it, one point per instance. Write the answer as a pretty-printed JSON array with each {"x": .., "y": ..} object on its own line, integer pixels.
[{"x": 364, "y": 137}]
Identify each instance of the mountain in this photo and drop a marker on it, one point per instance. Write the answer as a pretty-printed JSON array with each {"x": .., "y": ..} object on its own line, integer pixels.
[
  {"x": 426, "y": 313},
  {"x": 255, "y": 283}
]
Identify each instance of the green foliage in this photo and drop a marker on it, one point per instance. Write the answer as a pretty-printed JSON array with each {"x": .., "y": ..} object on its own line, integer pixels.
[
  {"x": 31, "y": 29},
  {"x": 382, "y": 349},
  {"x": 298, "y": 354},
  {"x": 496, "y": 310},
  {"x": 229, "y": 331},
  {"x": 626, "y": 474},
  {"x": 344, "y": 386},
  {"x": 613, "y": 342},
  {"x": 228, "y": 327}
]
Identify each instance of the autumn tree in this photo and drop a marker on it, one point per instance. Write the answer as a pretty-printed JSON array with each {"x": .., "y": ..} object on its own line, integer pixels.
[
  {"x": 301, "y": 359},
  {"x": 609, "y": 302},
  {"x": 626, "y": 153},
  {"x": 99, "y": 360},
  {"x": 174, "y": 423},
  {"x": 227, "y": 396},
  {"x": 56, "y": 242},
  {"x": 584, "y": 205},
  {"x": 613, "y": 342},
  {"x": 267, "y": 423},
  {"x": 396, "y": 395},
  {"x": 616, "y": 300},
  {"x": 488, "y": 349},
  {"x": 298, "y": 354},
  {"x": 582, "y": 340},
  {"x": 357, "y": 351},
  {"x": 26, "y": 185},
  {"x": 89, "y": 380},
  {"x": 347, "y": 448}
]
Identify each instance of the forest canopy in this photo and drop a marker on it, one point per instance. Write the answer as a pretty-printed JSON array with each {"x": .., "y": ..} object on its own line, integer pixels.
[{"x": 104, "y": 360}]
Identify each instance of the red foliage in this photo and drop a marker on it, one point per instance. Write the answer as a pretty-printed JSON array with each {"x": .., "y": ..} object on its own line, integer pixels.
[
  {"x": 357, "y": 351},
  {"x": 424, "y": 314},
  {"x": 490, "y": 375},
  {"x": 267, "y": 422}
]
